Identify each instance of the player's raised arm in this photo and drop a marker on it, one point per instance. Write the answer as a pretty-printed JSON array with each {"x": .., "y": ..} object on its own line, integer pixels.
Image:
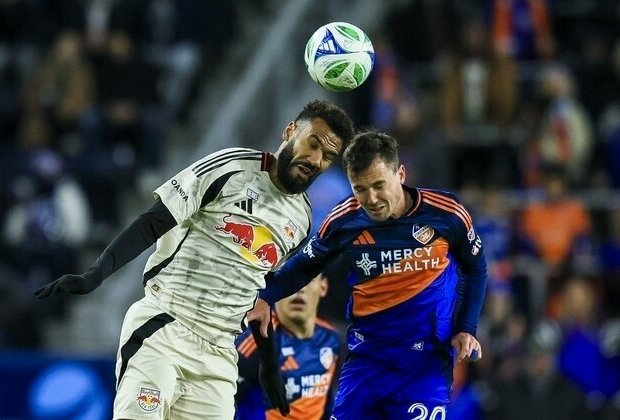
[{"x": 130, "y": 243}]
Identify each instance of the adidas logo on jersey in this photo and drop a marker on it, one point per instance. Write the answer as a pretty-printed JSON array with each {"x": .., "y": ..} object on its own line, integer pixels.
[
  {"x": 364, "y": 238},
  {"x": 245, "y": 205}
]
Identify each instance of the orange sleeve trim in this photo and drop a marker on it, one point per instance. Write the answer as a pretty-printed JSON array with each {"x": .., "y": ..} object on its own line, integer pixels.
[
  {"x": 346, "y": 207},
  {"x": 245, "y": 342},
  {"x": 248, "y": 349},
  {"x": 450, "y": 206},
  {"x": 452, "y": 203},
  {"x": 322, "y": 323}
]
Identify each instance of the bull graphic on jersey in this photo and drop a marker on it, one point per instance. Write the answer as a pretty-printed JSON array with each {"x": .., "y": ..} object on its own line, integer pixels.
[
  {"x": 256, "y": 242},
  {"x": 242, "y": 233},
  {"x": 267, "y": 254}
]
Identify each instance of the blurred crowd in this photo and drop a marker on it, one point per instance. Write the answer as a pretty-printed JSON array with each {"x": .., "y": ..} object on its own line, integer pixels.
[
  {"x": 515, "y": 104},
  {"x": 88, "y": 89}
]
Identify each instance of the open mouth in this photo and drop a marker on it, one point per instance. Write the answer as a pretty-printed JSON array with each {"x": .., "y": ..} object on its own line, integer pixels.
[{"x": 305, "y": 171}]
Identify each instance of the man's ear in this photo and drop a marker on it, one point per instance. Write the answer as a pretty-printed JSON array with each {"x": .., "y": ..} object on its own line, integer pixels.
[
  {"x": 324, "y": 286},
  {"x": 288, "y": 131},
  {"x": 402, "y": 174}
]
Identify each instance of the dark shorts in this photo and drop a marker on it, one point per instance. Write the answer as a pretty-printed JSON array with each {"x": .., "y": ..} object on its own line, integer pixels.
[{"x": 372, "y": 389}]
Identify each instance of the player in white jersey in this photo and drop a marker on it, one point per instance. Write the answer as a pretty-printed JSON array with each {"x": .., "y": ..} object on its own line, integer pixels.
[{"x": 220, "y": 225}]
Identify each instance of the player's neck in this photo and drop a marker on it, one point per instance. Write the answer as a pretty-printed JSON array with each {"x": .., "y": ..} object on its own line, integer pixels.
[
  {"x": 301, "y": 331},
  {"x": 405, "y": 204}
]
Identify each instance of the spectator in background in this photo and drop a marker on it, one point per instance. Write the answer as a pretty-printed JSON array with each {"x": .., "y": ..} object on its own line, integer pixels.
[
  {"x": 63, "y": 85},
  {"x": 46, "y": 222},
  {"x": 589, "y": 355},
  {"x": 557, "y": 226},
  {"x": 540, "y": 391},
  {"x": 493, "y": 224},
  {"x": 121, "y": 119},
  {"x": 594, "y": 74},
  {"x": 48, "y": 218},
  {"x": 478, "y": 91},
  {"x": 555, "y": 234},
  {"x": 419, "y": 30},
  {"x": 479, "y": 84},
  {"x": 565, "y": 135},
  {"x": 522, "y": 29},
  {"x": 122, "y": 135}
]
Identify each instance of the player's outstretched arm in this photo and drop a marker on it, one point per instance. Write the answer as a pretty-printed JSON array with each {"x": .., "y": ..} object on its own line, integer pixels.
[{"x": 130, "y": 243}]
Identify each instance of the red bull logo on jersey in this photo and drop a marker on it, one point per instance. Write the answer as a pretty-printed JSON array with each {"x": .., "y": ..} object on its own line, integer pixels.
[
  {"x": 242, "y": 233},
  {"x": 267, "y": 254},
  {"x": 149, "y": 399},
  {"x": 256, "y": 242}
]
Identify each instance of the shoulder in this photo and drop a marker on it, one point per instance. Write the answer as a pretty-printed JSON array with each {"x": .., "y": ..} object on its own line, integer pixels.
[
  {"x": 235, "y": 157},
  {"x": 445, "y": 203},
  {"x": 345, "y": 211},
  {"x": 245, "y": 343},
  {"x": 327, "y": 332}
]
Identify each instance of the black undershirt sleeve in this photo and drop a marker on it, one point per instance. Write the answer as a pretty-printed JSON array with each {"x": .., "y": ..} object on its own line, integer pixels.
[{"x": 132, "y": 241}]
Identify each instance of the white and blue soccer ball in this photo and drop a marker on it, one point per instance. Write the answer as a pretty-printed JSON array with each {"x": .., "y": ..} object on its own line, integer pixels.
[{"x": 339, "y": 56}]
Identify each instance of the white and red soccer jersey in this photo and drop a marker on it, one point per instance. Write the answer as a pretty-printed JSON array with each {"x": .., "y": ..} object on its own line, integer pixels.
[{"x": 233, "y": 227}]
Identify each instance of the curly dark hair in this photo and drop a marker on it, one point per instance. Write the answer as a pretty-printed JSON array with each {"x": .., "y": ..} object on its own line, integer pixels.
[
  {"x": 335, "y": 117},
  {"x": 365, "y": 147}
]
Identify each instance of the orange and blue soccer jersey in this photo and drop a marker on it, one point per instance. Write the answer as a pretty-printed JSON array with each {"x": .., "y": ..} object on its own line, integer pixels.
[
  {"x": 307, "y": 367},
  {"x": 416, "y": 281}
]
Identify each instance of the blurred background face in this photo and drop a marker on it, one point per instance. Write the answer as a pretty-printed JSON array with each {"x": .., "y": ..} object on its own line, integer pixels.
[
  {"x": 303, "y": 305},
  {"x": 310, "y": 148},
  {"x": 379, "y": 189}
]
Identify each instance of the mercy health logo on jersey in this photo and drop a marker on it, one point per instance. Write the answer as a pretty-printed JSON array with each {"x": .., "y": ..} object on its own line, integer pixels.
[
  {"x": 309, "y": 385},
  {"x": 366, "y": 263},
  {"x": 409, "y": 259},
  {"x": 148, "y": 399},
  {"x": 256, "y": 242}
]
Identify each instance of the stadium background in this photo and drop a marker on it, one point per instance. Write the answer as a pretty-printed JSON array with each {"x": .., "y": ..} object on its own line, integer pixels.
[{"x": 514, "y": 104}]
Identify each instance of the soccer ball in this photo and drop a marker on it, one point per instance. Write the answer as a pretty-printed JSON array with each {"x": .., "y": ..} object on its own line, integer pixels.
[{"x": 339, "y": 56}]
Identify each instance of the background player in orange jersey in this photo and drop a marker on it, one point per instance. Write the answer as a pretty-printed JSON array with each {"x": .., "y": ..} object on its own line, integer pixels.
[{"x": 308, "y": 351}]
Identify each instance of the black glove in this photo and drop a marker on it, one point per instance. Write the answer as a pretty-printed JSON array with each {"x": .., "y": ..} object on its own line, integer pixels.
[
  {"x": 268, "y": 370},
  {"x": 77, "y": 284}
]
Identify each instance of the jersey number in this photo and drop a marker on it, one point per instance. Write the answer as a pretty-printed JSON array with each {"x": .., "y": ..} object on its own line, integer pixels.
[{"x": 420, "y": 411}]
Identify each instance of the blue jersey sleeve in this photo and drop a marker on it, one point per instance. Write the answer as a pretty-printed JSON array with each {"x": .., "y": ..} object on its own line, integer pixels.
[
  {"x": 297, "y": 271},
  {"x": 469, "y": 255},
  {"x": 304, "y": 265}
]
